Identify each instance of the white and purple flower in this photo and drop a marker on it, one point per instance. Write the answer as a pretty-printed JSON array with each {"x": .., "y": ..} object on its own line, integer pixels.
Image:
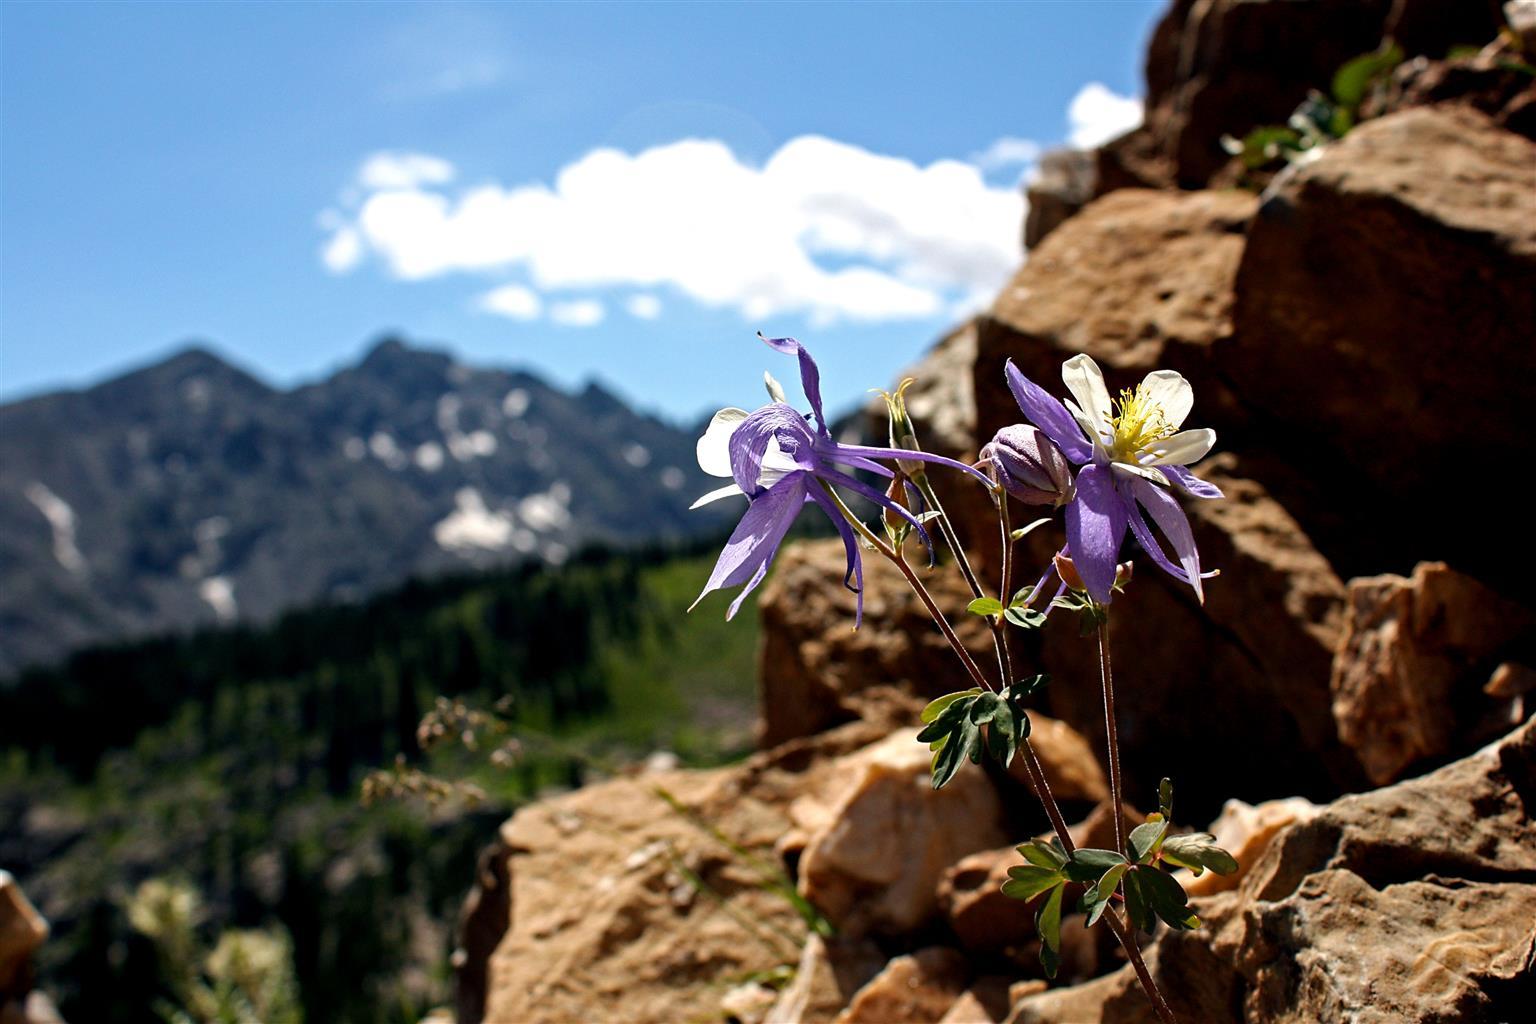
[
  {"x": 775, "y": 458},
  {"x": 1132, "y": 453}
]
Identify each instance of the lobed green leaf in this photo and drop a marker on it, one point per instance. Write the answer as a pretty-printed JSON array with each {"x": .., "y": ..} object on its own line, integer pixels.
[
  {"x": 935, "y": 708},
  {"x": 1088, "y": 865},
  {"x": 1048, "y": 926},
  {"x": 1145, "y": 839},
  {"x": 985, "y": 606},
  {"x": 1025, "y": 618},
  {"x": 1198, "y": 851},
  {"x": 1045, "y": 854},
  {"x": 1027, "y": 881}
]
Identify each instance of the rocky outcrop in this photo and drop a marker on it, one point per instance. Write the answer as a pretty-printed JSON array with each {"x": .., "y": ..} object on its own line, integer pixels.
[
  {"x": 1382, "y": 321},
  {"x": 1416, "y": 902},
  {"x": 1409, "y": 679}
]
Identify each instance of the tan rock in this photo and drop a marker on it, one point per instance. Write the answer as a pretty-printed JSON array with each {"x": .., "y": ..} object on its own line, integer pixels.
[
  {"x": 1406, "y": 677},
  {"x": 1382, "y": 313},
  {"x": 22, "y": 931},
  {"x": 985, "y": 1002},
  {"x": 876, "y": 867},
  {"x": 914, "y": 989},
  {"x": 816, "y": 671},
  {"x": 1245, "y": 831},
  {"x": 830, "y": 972},
  {"x": 1070, "y": 765},
  {"x": 1412, "y": 903}
]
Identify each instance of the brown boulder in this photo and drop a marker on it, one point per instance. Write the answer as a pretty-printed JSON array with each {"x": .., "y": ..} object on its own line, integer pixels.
[
  {"x": 1408, "y": 678},
  {"x": 875, "y": 865},
  {"x": 1412, "y": 903},
  {"x": 914, "y": 989},
  {"x": 1382, "y": 327},
  {"x": 815, "y": 670}
]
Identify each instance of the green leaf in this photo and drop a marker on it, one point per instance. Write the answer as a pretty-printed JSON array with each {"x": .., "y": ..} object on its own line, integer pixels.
[
  {"x": 1028, "y": 687},
  {"x": 1044, "y": 854},
  {"x": 949, "y": 718},
  {"x": 1165, "y": 798},
  {"x": 984, "y": 708},
  {"x": 1167, "y": 898},
  {"x": 1027, "y": 881},
  {"x": 1002, "y": 735},
  {"x": 985, "y": 606},
  {"x": 934, "y": 708},
  {"x": 1025, "y": 531},
  {"x": 1048, "y": 925},
  {"x": 1198, "y": 851},
  {"x": 1145, "y": 838},
  {"x": 1355, "y": 78},
  {"x": 1025, "y": 618},
  {"x": 948, "y": 757},
  {"x": 1136, "y": 906},
  {"x": 1088, "y": 865},
  {"x": 1101, "y": 894}
]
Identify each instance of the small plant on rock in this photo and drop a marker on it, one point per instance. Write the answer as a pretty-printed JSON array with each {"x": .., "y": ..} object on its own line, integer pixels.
[{"x": 1111, "y": 467}]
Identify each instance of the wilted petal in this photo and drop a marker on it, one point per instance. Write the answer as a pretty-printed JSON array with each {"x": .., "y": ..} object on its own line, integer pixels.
[
  {"x": 714, "y": 447},
  {"x": 1096, "y": 522},
  {"x": 756, "y": 539},
  {"x": 1169, "y": 517},
  {"x": 1171, "y": 392},
  {"x": 810, "y": 377},
  {"x": 1184, "y": 447},
  {"x": 1046, "y": 412},
  {"x": 1189, "y": 483},
  {"x": 716, "y": 495},
  {"x": 1086, "y": 382}
]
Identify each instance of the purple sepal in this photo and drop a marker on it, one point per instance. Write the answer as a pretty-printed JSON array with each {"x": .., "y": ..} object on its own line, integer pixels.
[
  {"x": 1096, "y": 523},
  {"x": 1190, "y": 484},
  {"x": 1045, "y": 412}
]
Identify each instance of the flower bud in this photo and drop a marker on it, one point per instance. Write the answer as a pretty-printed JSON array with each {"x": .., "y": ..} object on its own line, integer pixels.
[
  {"x": 902, "y": 433},
  {"x": 1029, "y": 466},
  {"x": 896, "y": 526}
]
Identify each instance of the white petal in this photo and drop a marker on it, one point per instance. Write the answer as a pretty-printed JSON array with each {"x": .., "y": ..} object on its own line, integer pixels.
[
  {"x": 1149, "y": 475},
  {"x": 716, "y": 495},
  {"x": 775, "y": 389},
  {"x": 776, "y": 465},
  {"x": 714, "y": 448},
  {"x": 1169, "y": 390},
  {"x": 1184, "y": 447},
  {"x": 1084, "y": 379}
]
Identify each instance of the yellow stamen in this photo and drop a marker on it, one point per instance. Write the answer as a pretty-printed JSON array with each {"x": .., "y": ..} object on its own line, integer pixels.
[{"x": 1138, "y": 424}]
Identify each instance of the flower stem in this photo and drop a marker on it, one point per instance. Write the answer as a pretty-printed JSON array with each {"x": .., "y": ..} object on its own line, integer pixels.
[
  {"x": 1112, "y": 737},
  {"x": 1006, "y": 596},
  {"x": 917, "y": 586},
  {"x": 952, "y": 540}
]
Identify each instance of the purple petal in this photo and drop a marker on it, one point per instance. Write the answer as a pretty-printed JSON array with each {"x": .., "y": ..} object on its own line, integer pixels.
[
  {"x": 902, "y": 453},
  {"x": 870, "y": 494},
  {"x": 810, "y": 377},
  {"x": 1047, "y": 413},
  {"x": 1096, "y": 522},
  {"x": 749, "y": 442},
  {"x": 1169, "y": 517},
  {"x": 756, "y": 539},
  {"x": 855, "y": 569},
  {"x": 1189, "y": 483}
]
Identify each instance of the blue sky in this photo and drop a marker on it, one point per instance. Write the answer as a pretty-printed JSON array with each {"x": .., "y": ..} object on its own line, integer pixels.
[{"x": 620, "y": 191}]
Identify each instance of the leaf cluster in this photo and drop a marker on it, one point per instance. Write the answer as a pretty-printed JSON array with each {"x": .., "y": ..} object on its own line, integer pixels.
[
  {"x": 966, "y": 725},
  {"x": 1139, "y": 878}
]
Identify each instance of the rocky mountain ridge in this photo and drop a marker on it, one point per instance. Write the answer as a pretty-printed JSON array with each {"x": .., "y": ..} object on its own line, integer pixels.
[{"x": 189, "y": 492}]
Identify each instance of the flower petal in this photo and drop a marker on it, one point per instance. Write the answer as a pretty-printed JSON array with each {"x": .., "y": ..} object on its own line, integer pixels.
[
  {"x": 1183, "y": 448},
  {"x": 1169, "y": 517},
  {"x": 716, "y": 495},
  {"x": 810, "y": 376},
  {"x": 714, "y": 447},
  {"x": 1086, "y": 382},
  {"x": 1171, "y": 392},
  {"x": 756, "y": 539},
  {"x": 1146, "y": 473},
  {"x": 1189, "y": 483},
  {"x": 1044, "y": 411},
  {"x": 751, "y": 440},
  {"x": 855, "y": 570},
  {"x": 871, "y": 495},
  {"x": 1096, "y": 522}
]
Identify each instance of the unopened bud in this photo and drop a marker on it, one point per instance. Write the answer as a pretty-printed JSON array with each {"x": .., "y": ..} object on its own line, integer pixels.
[
  {"x": 1029, "y": 466},
  {"x": 896, "y": 525}
]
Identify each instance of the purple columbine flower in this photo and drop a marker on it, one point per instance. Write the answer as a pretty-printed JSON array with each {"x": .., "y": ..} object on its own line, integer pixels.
[
  {"x": 1131, "y": 451},
  {"x": 777, "y": 460}
]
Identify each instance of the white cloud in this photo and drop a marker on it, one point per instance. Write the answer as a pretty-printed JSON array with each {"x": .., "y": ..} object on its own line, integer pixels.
[
  {"x": 343, "y": 251},
  {"x": 1097, "y": 114},
  {"x": 1007, "y": 152},
  {"x": 512, "y": 300},
  {"x": 577, "y": 313},
  {"x": 387, "y": 170},
  {"x": 643, "y": 307},
  {"x": 823, "y": 229}
]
